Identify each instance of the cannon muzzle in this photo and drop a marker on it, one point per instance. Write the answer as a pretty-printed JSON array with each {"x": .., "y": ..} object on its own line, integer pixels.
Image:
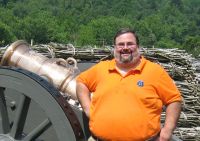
[{"x": 57, "y": 71}]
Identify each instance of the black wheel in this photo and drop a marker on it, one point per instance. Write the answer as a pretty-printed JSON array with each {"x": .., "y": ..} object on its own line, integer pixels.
[{"x": 19, "y": 91}]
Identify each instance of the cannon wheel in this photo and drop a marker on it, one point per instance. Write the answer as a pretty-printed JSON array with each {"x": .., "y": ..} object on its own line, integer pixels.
[{"x": 31, "y": 87}]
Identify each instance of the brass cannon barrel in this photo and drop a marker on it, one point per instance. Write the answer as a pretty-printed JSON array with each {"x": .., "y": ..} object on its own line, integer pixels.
[{"x": 57, "y": 71}]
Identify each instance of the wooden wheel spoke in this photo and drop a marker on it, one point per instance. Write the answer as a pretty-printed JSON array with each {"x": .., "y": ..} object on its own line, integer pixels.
[
  {"x": 38, "y": 130},
  {"x": 4, "y": 113},
  {"x": 20, "y": 117}
]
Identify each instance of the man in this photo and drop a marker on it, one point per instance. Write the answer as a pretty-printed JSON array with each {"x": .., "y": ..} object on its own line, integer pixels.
[{"x": 128, "y": 94}]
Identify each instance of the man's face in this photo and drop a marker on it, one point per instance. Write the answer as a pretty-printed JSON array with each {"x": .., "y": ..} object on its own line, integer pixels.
[{"x": 126, "y": 48}]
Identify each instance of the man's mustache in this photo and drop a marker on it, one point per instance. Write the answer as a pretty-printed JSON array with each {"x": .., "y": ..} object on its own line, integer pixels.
[{"x": 126, "y": 51}]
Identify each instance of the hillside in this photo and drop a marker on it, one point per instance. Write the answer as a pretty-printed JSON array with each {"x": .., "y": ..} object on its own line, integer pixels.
[{"x": 159, "y": 23}]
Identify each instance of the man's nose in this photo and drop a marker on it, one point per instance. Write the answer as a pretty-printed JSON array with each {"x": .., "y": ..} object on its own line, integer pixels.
[{"x": 126, "y": 46}]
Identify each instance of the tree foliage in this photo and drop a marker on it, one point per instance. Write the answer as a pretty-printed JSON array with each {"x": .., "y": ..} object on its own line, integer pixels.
[
  {"x": 159, "y": 23},
  {"x": 100, "y": 31},
  {"x": 5, "y": 34}
]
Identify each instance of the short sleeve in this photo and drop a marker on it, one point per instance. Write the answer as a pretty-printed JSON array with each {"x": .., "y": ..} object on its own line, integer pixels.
[
  {"x": 88, "y": 78},
  {"x": 167, "y": 89}
]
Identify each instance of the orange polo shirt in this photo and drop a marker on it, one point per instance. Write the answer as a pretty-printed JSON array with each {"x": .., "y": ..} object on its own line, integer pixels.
[{"x": 128, "y": 108}]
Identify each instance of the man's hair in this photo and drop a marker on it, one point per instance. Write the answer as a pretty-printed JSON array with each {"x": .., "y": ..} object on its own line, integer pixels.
[{"x": 126, "y": 30}]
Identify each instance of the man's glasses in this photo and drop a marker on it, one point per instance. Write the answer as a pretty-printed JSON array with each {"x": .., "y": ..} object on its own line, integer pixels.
[{"x": 126, "y": 45}]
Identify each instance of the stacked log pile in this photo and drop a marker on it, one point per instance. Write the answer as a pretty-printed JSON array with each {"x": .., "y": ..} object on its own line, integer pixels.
[
  {"x": 63, "y": 51},
  {"x": 182, "y": 67}
]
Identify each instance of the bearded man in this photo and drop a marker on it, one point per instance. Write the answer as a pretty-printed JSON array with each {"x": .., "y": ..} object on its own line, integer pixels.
[{"x": 128, "y": 95}]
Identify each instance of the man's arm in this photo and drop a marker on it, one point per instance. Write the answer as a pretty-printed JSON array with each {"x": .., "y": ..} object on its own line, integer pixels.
[
  {"x": 173, "y": 111},
  {"x": 83, "y": 95}
]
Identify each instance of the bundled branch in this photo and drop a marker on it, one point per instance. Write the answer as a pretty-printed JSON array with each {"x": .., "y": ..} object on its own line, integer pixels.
[
  {"x": 183, "y": 68},
  {"x": 188, "y": 134},
  {"x": 64, "y": 51}
]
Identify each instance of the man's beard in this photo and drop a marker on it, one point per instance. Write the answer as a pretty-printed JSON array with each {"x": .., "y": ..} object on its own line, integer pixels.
[
  {"x": 126, "y": 59},
  {"x": 131, "y": 58}
]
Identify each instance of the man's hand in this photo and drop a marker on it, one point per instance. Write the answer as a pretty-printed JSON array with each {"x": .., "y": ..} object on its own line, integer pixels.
[
  {"x": 173, "y": 111},
  {"x": 165, "y": 135}
]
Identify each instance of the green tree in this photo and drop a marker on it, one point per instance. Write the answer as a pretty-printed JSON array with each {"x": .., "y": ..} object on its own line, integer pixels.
[
  {"x": 101, "y": 31},
  {"x": 167, "y": 43},
  {"x": 192, "y": 45},
  {"x": 20, "y": 10},
  {"x": 41, "y": 29},
  {"x": 4, "y": 2},
  {"x": 5, "y": 34},
  {"x": 159, "y": 23}
]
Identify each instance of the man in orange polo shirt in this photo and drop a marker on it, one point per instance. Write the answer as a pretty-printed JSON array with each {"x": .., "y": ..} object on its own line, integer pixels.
[{"x": 123, "y": 97}]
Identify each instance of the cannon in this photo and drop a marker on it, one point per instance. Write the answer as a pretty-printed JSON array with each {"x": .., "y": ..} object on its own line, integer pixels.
[{"x": 37, "y": 98}]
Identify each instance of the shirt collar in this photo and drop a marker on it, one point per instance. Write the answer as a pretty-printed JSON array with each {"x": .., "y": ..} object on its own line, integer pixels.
[{"x": 139, "y": 68}]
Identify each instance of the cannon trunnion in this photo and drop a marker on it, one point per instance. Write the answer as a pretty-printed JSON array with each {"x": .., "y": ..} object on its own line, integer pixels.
[{"x": 66, "y": 120}]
